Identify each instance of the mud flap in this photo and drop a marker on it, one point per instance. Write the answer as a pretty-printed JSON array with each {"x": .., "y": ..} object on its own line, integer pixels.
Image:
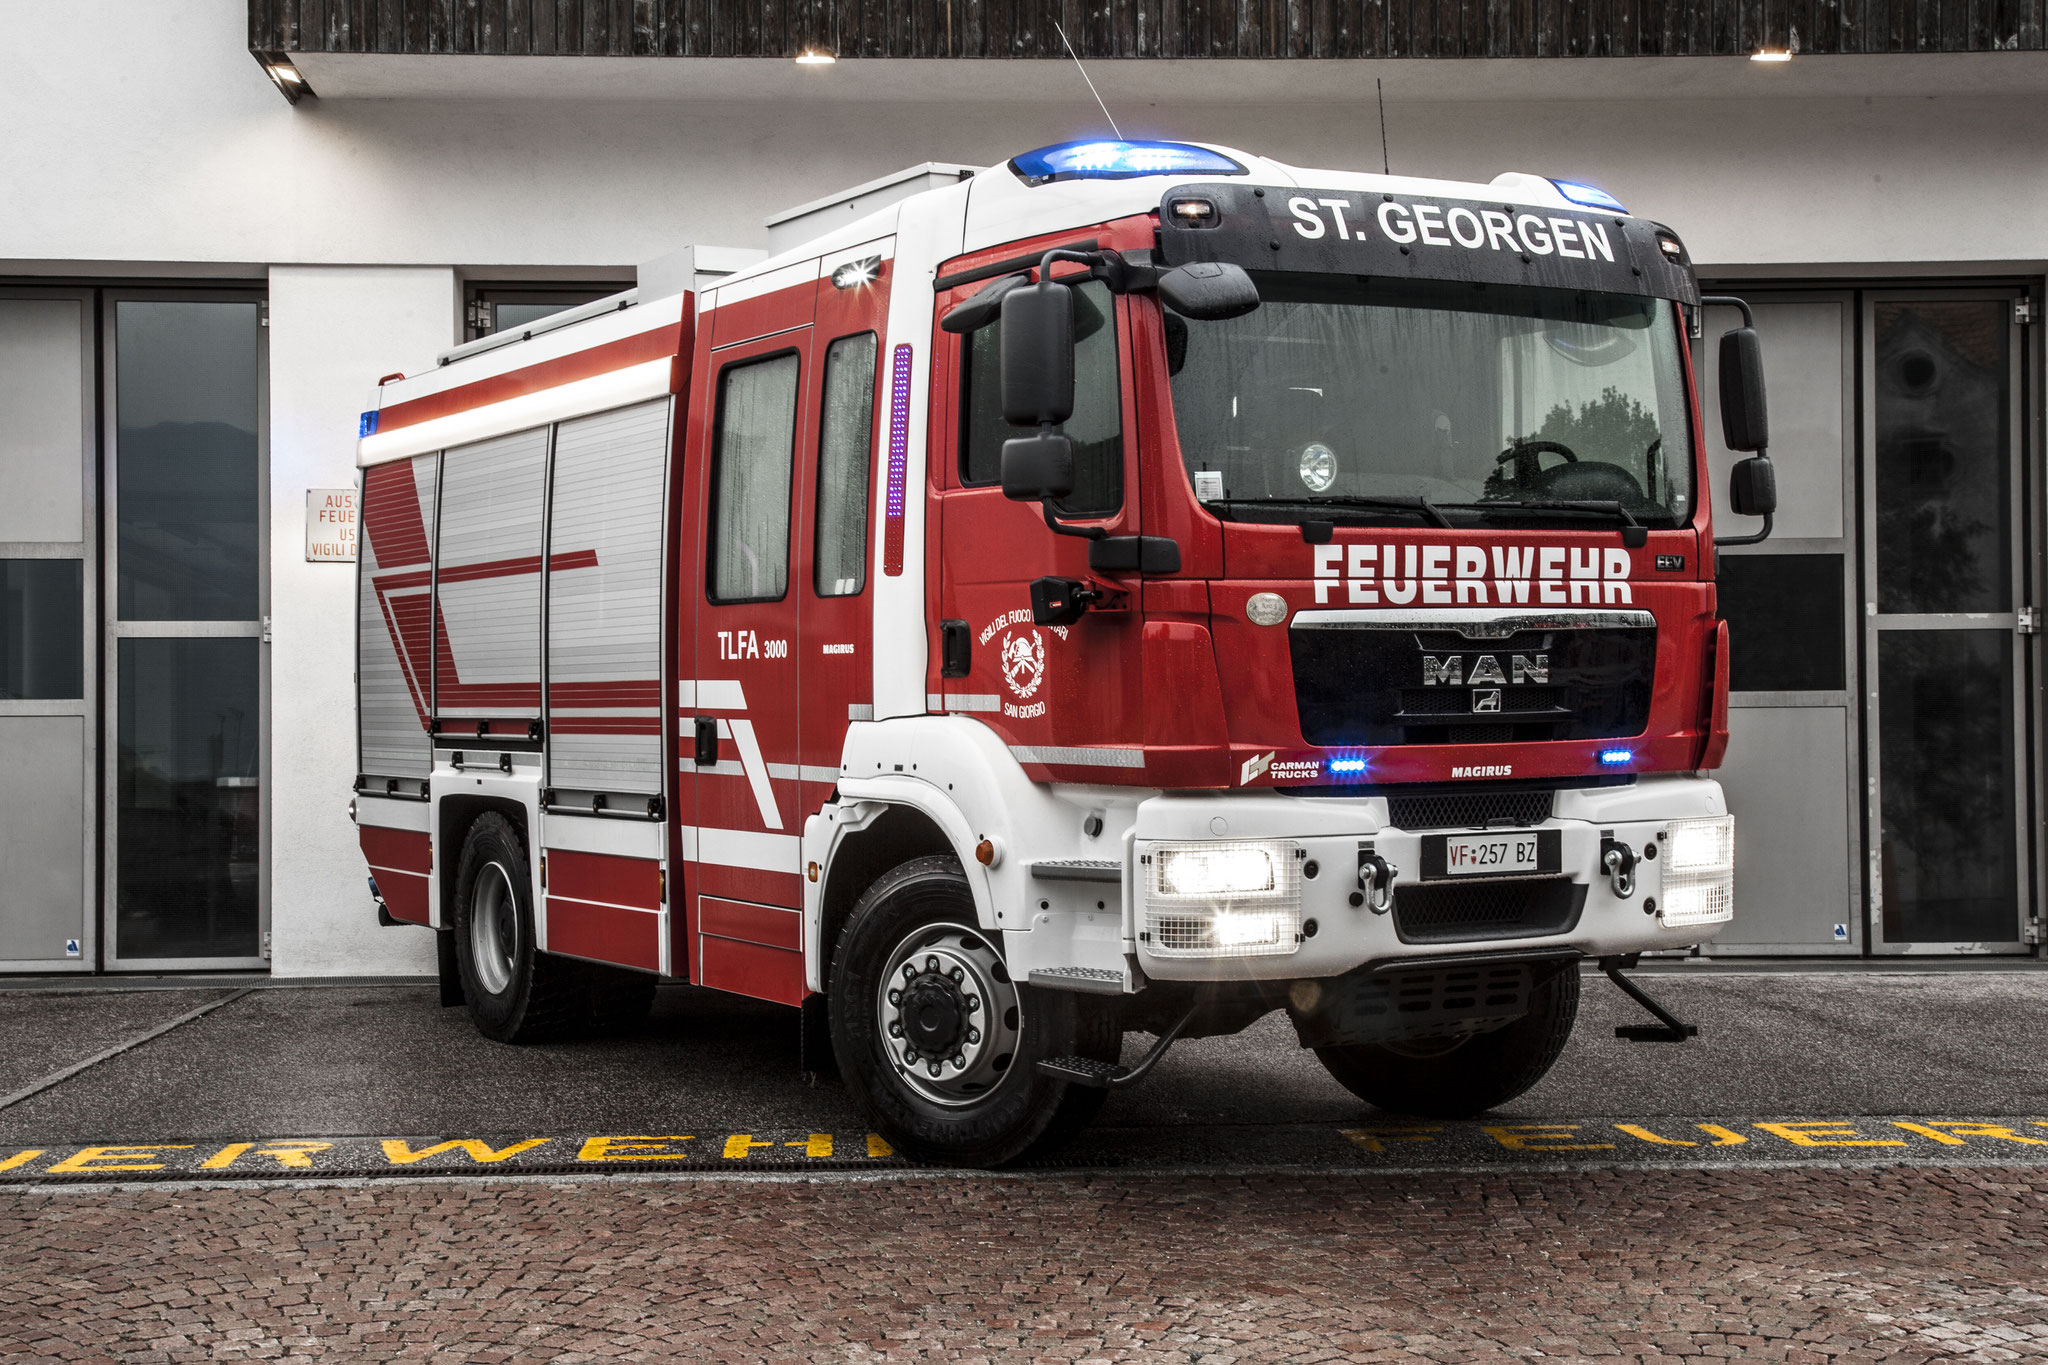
[
  {"x": 450, "y": 974},
  {"x": 814, "y": 1040}
]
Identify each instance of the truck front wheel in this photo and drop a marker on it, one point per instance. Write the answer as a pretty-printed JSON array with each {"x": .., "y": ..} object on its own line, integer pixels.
[
  {"x": 937, "y": 1042},
  {"x": 515, "y": 993},
  {"x": 1458, "y": 1077}
]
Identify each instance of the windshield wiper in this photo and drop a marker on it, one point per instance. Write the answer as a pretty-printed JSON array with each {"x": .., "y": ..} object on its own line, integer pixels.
[
  {"x": 1391, "y": 502},
  {"x": 1633, "y": 533}
]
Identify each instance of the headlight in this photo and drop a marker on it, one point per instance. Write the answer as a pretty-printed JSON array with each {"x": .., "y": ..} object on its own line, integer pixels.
[
  {"x": 1223, "y": 898},
  {"x": 1219, "y": 870},
  {"x": 1701, "y": 845},
  {"x": 1699, "y": 872}
]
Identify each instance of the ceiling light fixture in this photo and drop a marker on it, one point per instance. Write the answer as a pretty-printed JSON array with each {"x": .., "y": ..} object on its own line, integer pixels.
[
  {"x": 815, "y": 56},
  {"x": 1771, "y": 54}
]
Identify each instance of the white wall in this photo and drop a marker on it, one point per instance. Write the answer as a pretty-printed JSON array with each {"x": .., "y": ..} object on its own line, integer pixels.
[
  {"x": 140, "y": 131},
  {"x": 333, "y": 330}
]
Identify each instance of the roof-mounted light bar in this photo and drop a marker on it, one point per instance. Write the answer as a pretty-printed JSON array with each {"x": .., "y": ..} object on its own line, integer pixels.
[
  {"x": 1113, "y": 160},
  {"x": 1588, "y": 196}
]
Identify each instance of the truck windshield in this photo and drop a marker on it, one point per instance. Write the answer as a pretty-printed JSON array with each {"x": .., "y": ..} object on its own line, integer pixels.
[{"x": 1485, "y": 401}]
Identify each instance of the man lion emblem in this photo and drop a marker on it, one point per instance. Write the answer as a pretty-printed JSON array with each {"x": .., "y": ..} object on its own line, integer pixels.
[{"x": 1023, "y": 659}]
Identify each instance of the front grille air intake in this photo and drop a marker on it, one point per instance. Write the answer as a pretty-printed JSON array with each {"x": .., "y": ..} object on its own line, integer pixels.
[
  {"x": 1486, "y": 908},
  {"x": 1468, "y": 809}
]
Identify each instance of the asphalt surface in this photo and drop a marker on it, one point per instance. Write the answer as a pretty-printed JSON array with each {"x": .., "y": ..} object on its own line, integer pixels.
[{"x": 375, "y": 1060}]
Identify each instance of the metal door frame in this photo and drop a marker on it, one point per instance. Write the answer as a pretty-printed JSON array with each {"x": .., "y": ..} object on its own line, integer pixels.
[
  {"x": 1849, "y": 297},
  {"x": 2025, "y": 649},
  {"x": 86, "y": 707},
  {"x": 115, "y": 630}
]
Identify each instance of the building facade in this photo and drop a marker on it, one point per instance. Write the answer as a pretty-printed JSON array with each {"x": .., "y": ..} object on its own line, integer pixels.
[{"x": 225, "y": 220}]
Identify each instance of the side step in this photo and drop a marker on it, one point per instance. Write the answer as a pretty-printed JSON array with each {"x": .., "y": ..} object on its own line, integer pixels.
[
  {"x": 1079, "y": 870},
  {"x": 1114, "y": 1075},
  {"x": 1669, "y": 1028},
  {"x": 1088, "y": 980}
]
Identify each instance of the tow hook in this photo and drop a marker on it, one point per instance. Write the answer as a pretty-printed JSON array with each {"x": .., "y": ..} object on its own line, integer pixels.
[
  {"x": 1669, "y": 1028},
  {"x": 1375, "y": 879},
  {"x": 1620, "y": 861}
]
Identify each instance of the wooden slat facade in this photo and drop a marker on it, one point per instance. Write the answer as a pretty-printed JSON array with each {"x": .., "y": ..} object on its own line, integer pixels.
[{"x": 1144, "y": 28}]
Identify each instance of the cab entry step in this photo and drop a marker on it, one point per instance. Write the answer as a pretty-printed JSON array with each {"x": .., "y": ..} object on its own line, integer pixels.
[{"x": 1079, "y": 870}]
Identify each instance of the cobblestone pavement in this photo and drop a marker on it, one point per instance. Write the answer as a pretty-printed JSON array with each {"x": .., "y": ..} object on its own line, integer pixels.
[{"x": 1796, "y": 1265}]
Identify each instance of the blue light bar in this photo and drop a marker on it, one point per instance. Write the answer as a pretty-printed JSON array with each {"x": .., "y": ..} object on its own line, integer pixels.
[
  {"x": 1119, "y": 161},
  {"x": 1616, "y": 755},
  {"x": 1588, "y": 196},
  {"x": 368, "y": 426},
  {"x": 1347, "y": 765}
]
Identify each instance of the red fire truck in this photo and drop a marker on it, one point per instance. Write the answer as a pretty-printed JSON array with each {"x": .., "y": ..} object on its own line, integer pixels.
[{"x": 1136, "y": 589}]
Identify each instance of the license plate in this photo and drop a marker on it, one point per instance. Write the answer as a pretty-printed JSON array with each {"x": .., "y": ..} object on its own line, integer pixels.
[{"x": 1511, "y": 853}]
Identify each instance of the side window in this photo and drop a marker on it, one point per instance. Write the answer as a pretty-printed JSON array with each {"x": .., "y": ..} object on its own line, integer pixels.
[
  {"x": 752, "y": 456},
  {"x": 1096, "y": 426},
  {"x": 846, "y": 424}
]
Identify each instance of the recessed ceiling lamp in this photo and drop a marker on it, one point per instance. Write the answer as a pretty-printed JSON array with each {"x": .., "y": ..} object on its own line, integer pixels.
[
  {"x": 1771, "y": 54},
  {"x": 815, "y": 56}
]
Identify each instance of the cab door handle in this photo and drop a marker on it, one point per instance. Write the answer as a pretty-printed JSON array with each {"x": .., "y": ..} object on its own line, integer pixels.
[{"x": 707, "y": 741}]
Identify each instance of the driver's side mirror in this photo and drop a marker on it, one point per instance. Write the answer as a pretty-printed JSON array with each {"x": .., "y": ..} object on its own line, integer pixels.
[
  {"x": 1038, "y": 354},
  {"x": 1208, "y": 291},
  {"x": 1038, "y": 467}
]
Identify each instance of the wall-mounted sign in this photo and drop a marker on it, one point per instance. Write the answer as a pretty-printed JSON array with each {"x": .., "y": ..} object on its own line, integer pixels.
[{"x": 330, "y": 525}]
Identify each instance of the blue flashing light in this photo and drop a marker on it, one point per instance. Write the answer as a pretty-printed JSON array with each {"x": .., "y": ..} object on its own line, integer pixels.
[
  {"x": 1347, "y": 765},
  {"x": 1108, "y": 160},
  {"x": 368, "y": 426},
  {"x": 1613, "y": 756},
  {"x": 1588, "y": 196}
]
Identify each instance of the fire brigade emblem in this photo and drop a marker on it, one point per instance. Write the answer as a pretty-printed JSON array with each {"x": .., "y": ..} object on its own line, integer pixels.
[{"x": 1023, "y": 659}]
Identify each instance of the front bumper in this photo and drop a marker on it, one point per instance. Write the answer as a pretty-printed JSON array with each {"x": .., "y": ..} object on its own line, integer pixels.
[{"x": 1337, "y": 929}]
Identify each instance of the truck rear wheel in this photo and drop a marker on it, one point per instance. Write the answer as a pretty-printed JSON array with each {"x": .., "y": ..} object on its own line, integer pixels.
[
  {"x": 515, "y": 993},
  {"x": 1458, "y": 1077},
  {"x": 935, "y": 1040}
]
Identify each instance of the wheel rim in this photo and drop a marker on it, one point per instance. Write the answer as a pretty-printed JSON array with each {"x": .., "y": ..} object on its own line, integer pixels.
[
  {"x": 493, "y": 928},
  {"x": 950, "y": 1017}
]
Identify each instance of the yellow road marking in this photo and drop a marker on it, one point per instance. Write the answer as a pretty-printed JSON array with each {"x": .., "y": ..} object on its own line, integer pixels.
[
  {"x": 740, "y": 1145},
  {"x": 878, "y": 1147},
  {"x": 295, "y": 1152},
  {"x": 20, "y": 1158},
  {"x": 1825, "y": 1134},
  {"x": 1723, "y": 1137},
  {"x": 1375, "y": 1139},
  {"x": 105, "y": 1158},
  {"x": 1957, "y": 1134},
  {"x": 399, "y": 1152},
  {"x": 632, "y": 1148},
  {"x": 818, "y": 1144},
  {"x": 1541, "y": 1137}
]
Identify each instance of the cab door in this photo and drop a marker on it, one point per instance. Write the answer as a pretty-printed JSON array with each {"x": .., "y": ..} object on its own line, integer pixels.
[
  {"x": 741, "y": 703},
  {"x": 1068, "y": 698}
]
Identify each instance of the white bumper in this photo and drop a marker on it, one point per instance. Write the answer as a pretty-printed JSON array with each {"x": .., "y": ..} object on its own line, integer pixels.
[{"x": 1341, "y": 927}]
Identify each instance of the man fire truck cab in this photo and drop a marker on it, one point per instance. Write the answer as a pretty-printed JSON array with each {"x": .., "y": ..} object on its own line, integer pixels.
[{"x": 1139, "y": 588}]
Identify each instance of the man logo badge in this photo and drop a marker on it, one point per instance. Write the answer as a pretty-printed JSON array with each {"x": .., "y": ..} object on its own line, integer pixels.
[{"x": 1485, "y": 699}]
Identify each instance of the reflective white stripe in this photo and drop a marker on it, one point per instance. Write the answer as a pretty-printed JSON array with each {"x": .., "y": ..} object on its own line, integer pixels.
[
  {"x": 757, "y": 770},
  {"x": 860, "y": 711},
  {"x": 742, "y": 848},
  {"x": 974, "y": 701},
  {"x": 384, "y": 813},
  {"x": 1080, "y": 758},
  {"x": 711, "y": 694},
  {"x": 790, "y": 772},
  {"x": 633, "y": 384}
]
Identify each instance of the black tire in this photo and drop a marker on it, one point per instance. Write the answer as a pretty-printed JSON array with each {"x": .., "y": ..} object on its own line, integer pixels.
[
  {"x": 514, "y": 994},
  {"x": 1020, "y": 1113},
  {"x": 616, "y": 999},
  {"x": 1452, "y": 1079}
]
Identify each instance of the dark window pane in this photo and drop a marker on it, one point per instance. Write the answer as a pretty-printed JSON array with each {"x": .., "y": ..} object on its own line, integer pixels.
[
  {"x": 185, "y": 409},
  {"x": 752, "y": 457},
  {"x": 846, "y": 425},
  {"x": 1943, "y": 485},
  {"x": 187, "y": 798},
  {"x": 510, "y": 317},
  {"x": 1946, "y": 754},
  {"x": 1096, "y": 426},
  {"x": 42, "y": 629},
  {"x": 1785, "y": 627}
]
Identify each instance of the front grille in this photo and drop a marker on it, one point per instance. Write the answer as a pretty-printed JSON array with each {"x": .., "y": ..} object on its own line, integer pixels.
[
  {"x": 1486, "y": 908},
  {"x": 1469, "y": 809},
  {"x": 1560, "y": 676}
]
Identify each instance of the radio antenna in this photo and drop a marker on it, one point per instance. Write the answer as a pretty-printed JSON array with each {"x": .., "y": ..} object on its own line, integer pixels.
[
  {"x": 1385, "y": 164},
  {"x": 1084, "y": 76}
]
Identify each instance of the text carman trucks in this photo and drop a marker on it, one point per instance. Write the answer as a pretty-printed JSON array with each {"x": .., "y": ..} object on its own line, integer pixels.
[{"x": 1136, "y": 589}]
